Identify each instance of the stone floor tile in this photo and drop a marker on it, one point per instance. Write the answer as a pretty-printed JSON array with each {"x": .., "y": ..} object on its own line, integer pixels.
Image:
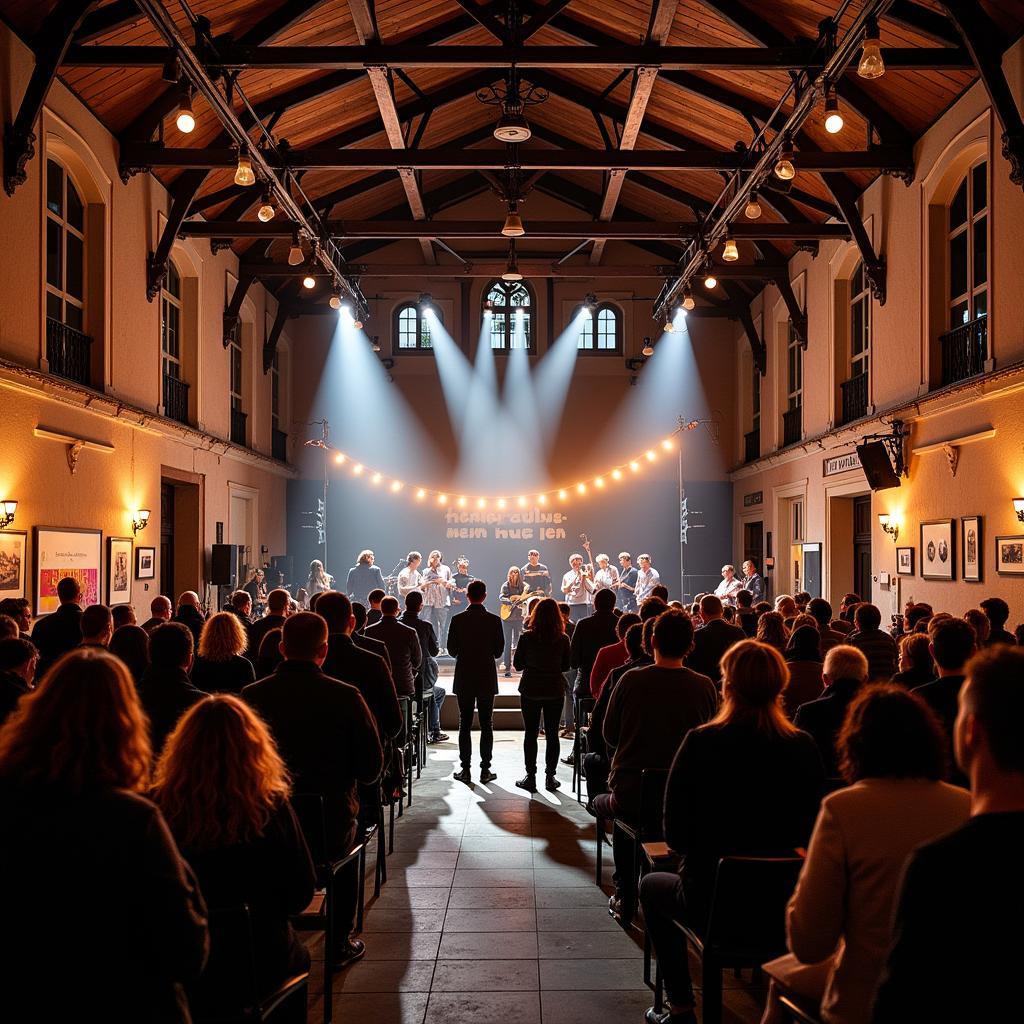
[
  {"x": 503, "y": 945},
  {"x": 502, "y": 878},
  {"x": 423, "y": 859},
  {"x": 483, "y": 1007},
  {"x": 497, "y": 860},
  {"x": 403, "y": 946},
  {"x": 588, "y": 919},
  {"x": 374, "y": 1007},
  {"x": 401, "y": 897},
  {"x": 386, "y": 976},
  {"x": 429, "y": 877},
  {"x": 479, "y": 920},
  {"x": 569, "y": 897},
  {"x": 485, "y": 898},
  {"x": 582, "y": 945},
  {"x": 485, "y": 976},
  {"x": 591, "y": 975},
  {"x": 416, "y": 919},
  {"x": 587, "y": 1007}
]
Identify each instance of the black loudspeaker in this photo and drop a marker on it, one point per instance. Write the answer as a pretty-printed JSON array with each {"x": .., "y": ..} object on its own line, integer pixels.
[
  {"x": 282, "y": 564},
  {"x": 874, "y": 458},
  {"x": 224, "y": 561}
]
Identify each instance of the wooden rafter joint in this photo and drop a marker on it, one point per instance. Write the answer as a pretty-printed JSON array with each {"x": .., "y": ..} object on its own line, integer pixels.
[
  {"x": 877, "y": 273},
  {"x": 156, "y": 274},
  {"x": 1013, "y": 153},
  {"x": 128, "y": 171},
  {"x": 19, "y": 148}
]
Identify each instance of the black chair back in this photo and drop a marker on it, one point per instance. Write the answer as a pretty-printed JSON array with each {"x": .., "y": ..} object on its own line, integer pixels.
[
  {"x": 309, "y": 809},
  {"x": 747, "y": 920},
  {"x": 652, "y": 804},
  {"x": 227, "y": 986}
]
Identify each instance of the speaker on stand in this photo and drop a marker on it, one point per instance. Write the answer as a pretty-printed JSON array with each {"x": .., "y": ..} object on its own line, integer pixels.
[{"x": 225, "y": 569}]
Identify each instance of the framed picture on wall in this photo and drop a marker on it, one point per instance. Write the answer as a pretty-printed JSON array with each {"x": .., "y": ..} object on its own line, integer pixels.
[
  {"x": 12, "y": 563},
  {"x": 1010, "y": 555},
  {"x": 938, "y": 556},
  {"x": 145, "y": 563},
  {"x": 904, "y": 561},
  {"x": 119, "y": 570},
  {"x": 59, "y": 552},
  {"x": 971, "y": 549}
]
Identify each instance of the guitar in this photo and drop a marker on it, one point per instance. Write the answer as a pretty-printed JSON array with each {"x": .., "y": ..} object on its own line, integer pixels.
[
  {"x": 505, "y": 610},
  {"x": 588, "y": 568}
]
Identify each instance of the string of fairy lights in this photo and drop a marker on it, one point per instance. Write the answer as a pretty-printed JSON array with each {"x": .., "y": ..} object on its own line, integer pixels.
[{"x": 591, "y": 485}]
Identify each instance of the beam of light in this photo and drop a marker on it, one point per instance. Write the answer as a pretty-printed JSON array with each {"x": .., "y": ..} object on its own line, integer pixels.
[
  {"x": 453, "y": 368},
  {"x": 552, "y": 378}
]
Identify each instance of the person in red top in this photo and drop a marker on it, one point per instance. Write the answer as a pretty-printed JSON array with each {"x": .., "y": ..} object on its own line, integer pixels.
[{"x": 613, "y": 655}]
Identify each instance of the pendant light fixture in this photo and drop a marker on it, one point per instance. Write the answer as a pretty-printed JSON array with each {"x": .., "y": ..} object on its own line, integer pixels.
[
  {"x": 688, "y": 302},
  {"x": 784, "y": 168},
  {"x": 648, "y": 349},
  {"x": 729, "y": 251},
  {"x": 753, "y": 207},
  {"x": 243, "y": 172},
  {"x": 871, "y": 64},
  {"x": 512, "y": 126},
  {"x": 513, "y": 227},
  {"x": 357, "y": 323},
  {"x": 335, "y": 299},
  {"x": 266, "y": 211},
  {"x": 295, "y": 257},
  {"x": 512, "y": 266},
  {"x": 309, "y": 282},
  {"x": 186, "y": 119},
  {"x": 710, "y": 281},
  {"x": 833, "y": 116}
]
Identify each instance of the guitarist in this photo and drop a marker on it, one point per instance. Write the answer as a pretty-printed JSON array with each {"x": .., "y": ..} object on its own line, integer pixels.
[{"x": 511, "y": 596}]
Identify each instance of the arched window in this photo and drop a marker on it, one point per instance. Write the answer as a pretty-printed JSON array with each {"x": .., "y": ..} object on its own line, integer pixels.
[
  {"x": 510, "y": 306},
  {"x": 967, "y": 245},
  {"x": 175, "y": 388},
  {"x": 602, "y": 330},
  {"x": 65, "y": 249},
  {"x": 412, "y": 328}
]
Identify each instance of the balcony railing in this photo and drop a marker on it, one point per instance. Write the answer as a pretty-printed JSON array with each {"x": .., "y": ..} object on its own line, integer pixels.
[
  {"x": 238, "y": 427},
  {"x": 279, "y": 444},
  {"x": 175, "y": 399},
  {"x": 68, "y": 352},
  {"x": 964, "y": 350},
  {"x": 752, "y": 445},
  {"x": 855, "y": 398},
  {"x": 792, "y": 426}
]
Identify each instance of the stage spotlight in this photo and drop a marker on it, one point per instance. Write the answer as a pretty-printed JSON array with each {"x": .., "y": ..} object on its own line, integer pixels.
[
  {"x": 462, "y": 502},
  {"x": 309, "y": 281},
  {"x": 590, "y": 303},
  {"x": 648, "y": 349},
  {"x": 266, "y": 212},
  {"x": 753, "y": 208},
  {"x": 871, "y": 64},
  {"x": 335, "y": 299},
  {"x": 730, "y": 252},
  {"x": 357, "y": 323},
  {"x": 784, "y": 168},
  {"x": 295, "y": 256},
  {"x": 542, "y": 499},
  {"x": 521, "y": 501},
  {"x": 480, "y": 503},
  {"x": 426, "y": 302},
  {"x": 688, "y": 302},
  {"x": 669, "y": 327},
  {"x": 710, "y": 281},
  {"x": 346, "y": 308},
  {"x": 243, "y": 172},
  {"x": 186, "y": 120},
  {"x": 421, "y": 494}
]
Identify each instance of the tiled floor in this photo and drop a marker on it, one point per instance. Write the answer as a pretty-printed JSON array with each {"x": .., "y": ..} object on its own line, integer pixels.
[{"x": 490, "y": 913}]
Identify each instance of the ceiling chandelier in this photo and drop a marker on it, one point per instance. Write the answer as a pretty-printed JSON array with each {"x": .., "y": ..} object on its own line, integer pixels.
[{"x": 513, "y": 97}]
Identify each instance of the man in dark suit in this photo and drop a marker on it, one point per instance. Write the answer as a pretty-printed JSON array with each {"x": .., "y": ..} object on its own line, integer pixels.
[
  {"x": 597, "y": 630},
  {"x": 328, "y": 739},
  {"x": 59, "y": 632},
  {"x": 18, "y": 660},
  {"x": 427, "y": 675},
  {"x": 360, "y": 639},
  {"x": 277, "y": 611},
  {"x": 403, "y": 646},
  {"x": 373, "y": 616},
  {"x": 165, "y": 690},
  {"x": 712, "y": 640},
  {"x": 844, "y": 673},
  {"x": 190, "y": 614},
  {"x": 476, "y": 640},
  {"x": 160, "y": 611}
]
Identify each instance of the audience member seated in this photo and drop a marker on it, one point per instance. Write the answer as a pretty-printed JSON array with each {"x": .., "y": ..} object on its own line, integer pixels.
[
  {"x": 84, "y": 856},
  {"x": 426, "y": 675},
  {"x": 612, "y": 655},
  {"x": 649, "y": 712},
  {"x": 660, "y": 591},
  {"x": 844, "y": 673},
  {"x": 712, "y": 640},
  {"x": 978, "y": 621},
  {"x": 747, "y": 783},
  {"x": 190, "y": 614},
  {"x": 18, "y": 661},
  {"x": 360, "y": 668},
  {"x": 839, "y": 921},
  {"x": 360, "y": 639},
  {"x": 403, "y": 644},
  {"x": 374, "y": 613},
  {"x": 19, "y": 609},
  {"x": 874, "y": 643},
  {"x": 224, "y": 789},
  {"x": 160, "y": 611},
  {"x": 131, "y": 645},
  {"x": 915, "y": 664},
  {"x": 786, "y": 606},
  {"x": 952, "y": 645},
  {"x": 771, "y": 630},
  {"x": 123, "y": 615},
  {"x": 822, "y": 612},
  {"x": 8, "y": 628},
  {"x": 97, "y": 626},
  {"x": 746, "y": 617},
  {"x": 998, "y": 611},
  {"x": 543, "y": 656},
  {"x": 240, "y": 604},
  {"x": 328, "y": 739},
  {"x": 844, "y": 623},
  {"x": 957, "y": 945},
  {"x": 592, "y": 633},
  {"x": 220, "y": 665},
  {"x": 270, "y": 655},
  {"x": 278, "y": 602},
  {"x": 803, "y": 659},
  {"x": 165, "y": 690},
  {"x": 60, "y": 631}
]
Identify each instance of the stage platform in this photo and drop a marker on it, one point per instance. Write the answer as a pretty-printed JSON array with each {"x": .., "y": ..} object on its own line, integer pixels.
[{"x": 507, "y": 713}]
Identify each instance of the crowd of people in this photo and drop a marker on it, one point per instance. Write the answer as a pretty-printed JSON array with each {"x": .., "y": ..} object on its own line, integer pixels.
[{"x": 152, "y": 773}]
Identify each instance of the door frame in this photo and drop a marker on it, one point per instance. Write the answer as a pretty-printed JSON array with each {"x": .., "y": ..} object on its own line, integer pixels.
[{"x": 840, "y": 489}]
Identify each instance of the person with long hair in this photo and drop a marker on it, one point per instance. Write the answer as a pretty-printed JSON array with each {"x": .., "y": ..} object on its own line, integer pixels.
[
  {"x": 82, "y": 849},
  {"x": 916, "y": 666},
  {"x": 220, "y": 665},
  {"x": 224, "y": 791},
  {"x": 542, "y": 656},
  {"x": 319, "y": 578},
  {"x": 771, "y": 630},
  {"x": 748, "y": 782},
  {"x": 131, "y": 645},
  {"x": 804, "y": 661},
  {"x": 509, "y": 597},
  {"x": 839, "y": 920}
]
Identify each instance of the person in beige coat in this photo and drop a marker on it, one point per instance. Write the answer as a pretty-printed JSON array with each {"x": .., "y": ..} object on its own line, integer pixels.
[{"x": 838, "y": 922}]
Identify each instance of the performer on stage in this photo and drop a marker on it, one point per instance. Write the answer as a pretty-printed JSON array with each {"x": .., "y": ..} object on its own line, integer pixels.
[
  {"x": 257, "y": 589},
  {"x": 319, "y": 579},
  {"x": 513, "y": 625},
  {"x": 461, "y": 579},
  {"x": 535, "y": 574},
  {"x": 578, "y": 588},
  {"x": 752, "y": 580},
  {"x": 730, "y": 586},
  {"x": 607, "y": 576},
  {"x": 436, "y": 582},
  {"x": 409, "y": 578},
  {"x": 626, "y": 599},
  {"x": 363, "y": 577},
  {"x": 646, "y": 579}
]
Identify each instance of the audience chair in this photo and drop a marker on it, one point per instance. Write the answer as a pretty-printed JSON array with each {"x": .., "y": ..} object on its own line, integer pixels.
[
  {"x": 410, "y": 746},
  {"x": 585, "y": 707},
  {"x": 655, "y": 856},
  {"x": 798, "y": 1011},
  {"x": 227, "y": 991},
  {"x": 650, "y": 827},
  {"x": 746, "y": 924}
]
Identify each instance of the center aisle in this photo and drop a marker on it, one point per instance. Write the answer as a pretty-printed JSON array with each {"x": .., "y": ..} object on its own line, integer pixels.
[{"x": 490, "y": 911}]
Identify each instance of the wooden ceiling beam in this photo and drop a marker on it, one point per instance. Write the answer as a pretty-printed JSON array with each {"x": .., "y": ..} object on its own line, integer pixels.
[
  {"x": 483, "y": 17},
  {"x": 924, "y": 21},
  {"x": 490, "y": 266},
  {"x": 108, "y": 19}
]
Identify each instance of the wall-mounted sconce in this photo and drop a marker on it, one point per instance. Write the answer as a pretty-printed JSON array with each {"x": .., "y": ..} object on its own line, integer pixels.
[
  {"x": 141, "y": 520},
  {"x": 1018, "y": 507},
  {"x": 7, "y": 510},
  {"x": 891, "y": 528}
]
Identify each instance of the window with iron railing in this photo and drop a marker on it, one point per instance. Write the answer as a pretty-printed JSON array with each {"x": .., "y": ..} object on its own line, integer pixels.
[
  {"x": 964, "y": 350},
  {"x": 279, "y": 444},
  {"x": 752, "y": 445},
  {"x": 967, "y": 248},
  {"x": 175, "y": 393},
  {"x": 792, "y": 419},
  {"x": 65, "y": 249},
  {"x": 238, "y": 427},
  {"x": 855, "y": 398},
  {"x": 68, "y": 352}
]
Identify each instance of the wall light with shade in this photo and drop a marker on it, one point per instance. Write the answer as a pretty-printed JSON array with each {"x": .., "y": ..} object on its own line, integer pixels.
[
  {"x": 140, "y": 520},
  {"x": 8, "y": 507},
  {"x": 1018, "y": 507},
  {"x": 885, "y": 521}
]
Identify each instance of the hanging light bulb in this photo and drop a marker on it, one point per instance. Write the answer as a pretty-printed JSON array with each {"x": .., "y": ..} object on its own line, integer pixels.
[
  {"x": 729, "y": 251},
  {"x": 710, "y": 281},
  {"x": 308, "y": 282},
  {"x": 648, "y": 349},
  {"x": 357, "y": 323},
  {"x": 688, "y": 302},
  {"x": 512, "y": 266},
  {"x": 753, "y": 207},
  {"x": 243, "y": 172},
  {"x": 669, "y": 326},
  {"x": 335, "y": 299},
  {"x": 833, "y": 117},
  {"x": 784, "y": 169},
  {"x": 295, "y": 256},
  {"x": 513, "y": 226},
  {"x": 871, "y": 63},
  {"x": 186, "y": 120},
  {"x": 266, "y": 211}
]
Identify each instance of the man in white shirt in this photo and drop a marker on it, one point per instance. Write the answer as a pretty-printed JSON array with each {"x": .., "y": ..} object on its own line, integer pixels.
[
  {"x": 436, "y": 584},
  {"x": 730, "y": 586},
  {"x": 607, "y": 576},
  {"x": 647, "y": 578},
  {"x": 578, "y": 588},
  {"x": 409, "y": 578}
]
